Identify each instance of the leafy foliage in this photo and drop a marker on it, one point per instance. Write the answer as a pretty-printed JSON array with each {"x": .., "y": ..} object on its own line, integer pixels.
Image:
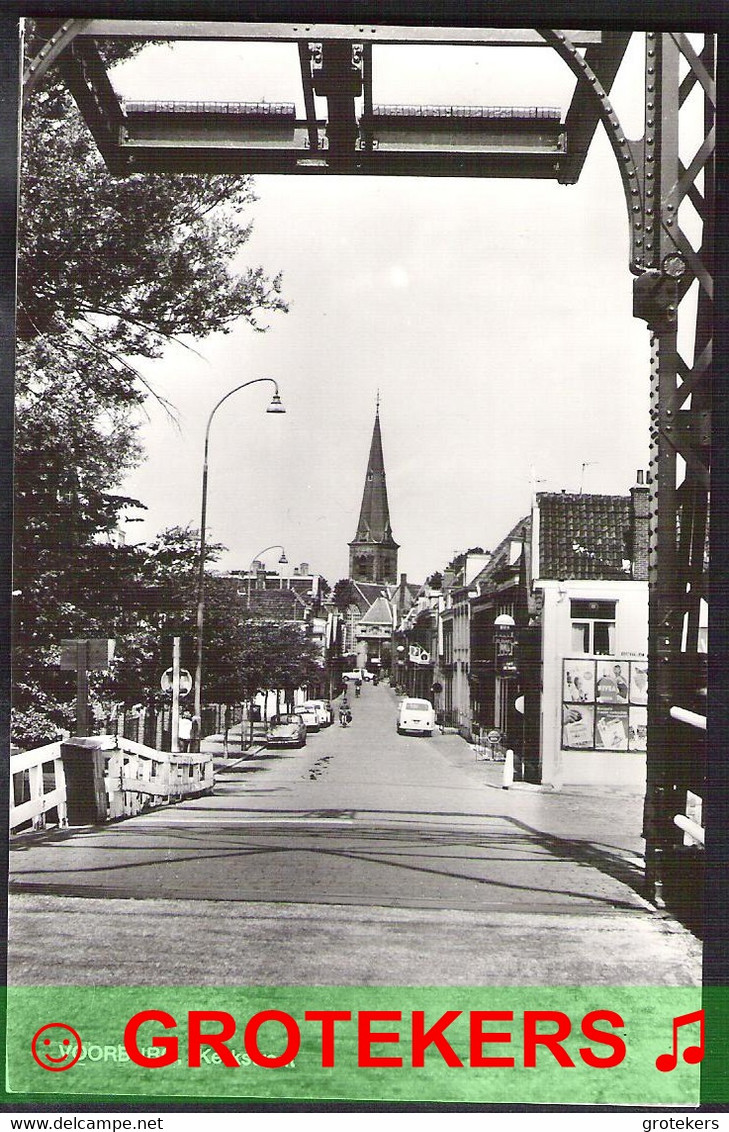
[
  {"x": 110, "y": 270},
  {"x": 344, "y": 594}
]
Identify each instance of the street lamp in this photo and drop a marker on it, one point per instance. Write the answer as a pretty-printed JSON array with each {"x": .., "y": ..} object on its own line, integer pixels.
[
  {"x": 283, "y": 561},
  {"x": 274, "y": 407}
]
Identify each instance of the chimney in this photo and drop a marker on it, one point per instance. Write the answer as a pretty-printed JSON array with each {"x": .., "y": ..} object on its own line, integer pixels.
[
  {"x": 639, "y": 528},
  {"x": 304, "y": 569}
]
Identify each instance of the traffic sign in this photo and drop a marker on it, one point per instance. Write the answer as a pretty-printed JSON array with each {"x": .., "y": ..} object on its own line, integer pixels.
[{"x": 185, "y": 681}]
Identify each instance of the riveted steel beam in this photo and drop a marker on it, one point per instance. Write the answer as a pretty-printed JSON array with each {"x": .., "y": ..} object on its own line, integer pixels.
[
  {"x": 59, "y": 38},
  {"x": 271, "y": 32},
  {"x": 680, "y": 431},
  {"x": 583, "y": 116}
]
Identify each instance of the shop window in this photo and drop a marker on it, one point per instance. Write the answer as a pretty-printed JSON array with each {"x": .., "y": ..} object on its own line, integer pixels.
[{"x": 593, "y": 627}]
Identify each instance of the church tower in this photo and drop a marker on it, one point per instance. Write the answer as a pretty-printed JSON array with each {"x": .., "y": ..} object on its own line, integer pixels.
[{"x": 373, "y": 551}]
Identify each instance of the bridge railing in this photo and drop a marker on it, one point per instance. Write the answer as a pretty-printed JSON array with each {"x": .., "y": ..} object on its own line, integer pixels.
[
  {"x": 100, "y": 778},
  {"x": 691, "y": 822},
  {"x": 37, "y": 786}
]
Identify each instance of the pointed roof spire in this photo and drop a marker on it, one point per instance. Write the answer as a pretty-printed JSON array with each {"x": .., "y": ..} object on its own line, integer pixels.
[{"x": 374, "y": 516}]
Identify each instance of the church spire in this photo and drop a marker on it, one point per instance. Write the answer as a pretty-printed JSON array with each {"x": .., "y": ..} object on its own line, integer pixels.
[{"x": 373, "y": 551}]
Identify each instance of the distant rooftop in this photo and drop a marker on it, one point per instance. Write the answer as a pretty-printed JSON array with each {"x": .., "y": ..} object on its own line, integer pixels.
[{"x": 583, "y": 536}]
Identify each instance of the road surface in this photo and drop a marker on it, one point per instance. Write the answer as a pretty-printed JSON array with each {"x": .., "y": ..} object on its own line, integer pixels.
[{"x": 367, "y": 856}]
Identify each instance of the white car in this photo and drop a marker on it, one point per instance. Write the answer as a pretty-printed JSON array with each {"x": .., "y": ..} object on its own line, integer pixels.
[
  {"x": 323, "y": 711},
  {"x": 310, "y": 716},
  {"x": 416, "y": 717}
]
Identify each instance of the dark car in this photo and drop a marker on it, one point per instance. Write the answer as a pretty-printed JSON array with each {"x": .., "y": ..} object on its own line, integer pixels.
[{"x": 286, "y": 731}]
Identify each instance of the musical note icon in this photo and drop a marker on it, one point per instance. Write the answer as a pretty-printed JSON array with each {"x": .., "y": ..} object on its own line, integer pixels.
[{"x": 666, "y": 1062}]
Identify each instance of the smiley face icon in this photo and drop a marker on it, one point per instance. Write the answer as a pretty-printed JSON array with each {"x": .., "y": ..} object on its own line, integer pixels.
[{"x": 56, "y": 1047}]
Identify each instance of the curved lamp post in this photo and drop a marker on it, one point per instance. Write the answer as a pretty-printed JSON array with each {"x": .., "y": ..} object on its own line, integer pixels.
[
  {"x": 283, "y": 560},
  {"x": 274, "y": 407}
]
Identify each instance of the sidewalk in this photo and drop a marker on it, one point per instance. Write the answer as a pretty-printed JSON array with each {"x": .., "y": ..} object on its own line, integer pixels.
[
  {"x": 606, "y": 815},
  {"x": 226, "y": 750}
]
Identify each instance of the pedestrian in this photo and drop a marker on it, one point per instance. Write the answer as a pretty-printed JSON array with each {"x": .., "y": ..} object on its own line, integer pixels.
[
  {"x": 357, "y": 688},
  {"x": 345, "y": 715},
  {"x": 184, "y": 730}
]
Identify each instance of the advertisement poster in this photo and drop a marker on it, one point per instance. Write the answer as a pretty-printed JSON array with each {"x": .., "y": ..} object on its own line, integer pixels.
[
  {"x": 306, "y": 312},
  {"x": 611, "y": 728}
]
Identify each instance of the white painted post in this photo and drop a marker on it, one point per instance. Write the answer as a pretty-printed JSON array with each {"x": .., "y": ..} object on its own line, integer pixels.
[
  {"x": 508, "y": 774},
  {"x": 175, "y": 736}
]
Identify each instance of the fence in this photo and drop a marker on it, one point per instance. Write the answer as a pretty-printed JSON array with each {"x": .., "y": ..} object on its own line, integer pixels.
[
  {"x": 153, "y": 726},
  {"x": 30, "y": 800},
  {"x": 98, "y": 779}
]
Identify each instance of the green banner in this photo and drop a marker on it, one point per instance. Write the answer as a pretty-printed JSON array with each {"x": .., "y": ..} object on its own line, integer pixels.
[{"x": 481, "y": 1045}]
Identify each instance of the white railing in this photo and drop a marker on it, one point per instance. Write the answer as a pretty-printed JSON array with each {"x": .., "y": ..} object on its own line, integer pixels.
[
  {"x": 691, "y": 717},
  {"x": 135, "y": 778},
  {"x": 694, "y": 832},
  {"x": 40, "y": 801}
]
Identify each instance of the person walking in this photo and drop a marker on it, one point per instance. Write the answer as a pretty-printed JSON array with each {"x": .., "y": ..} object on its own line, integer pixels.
[
  {"x": 184, "y": 732},
  {"x": 345, "y": 715}
]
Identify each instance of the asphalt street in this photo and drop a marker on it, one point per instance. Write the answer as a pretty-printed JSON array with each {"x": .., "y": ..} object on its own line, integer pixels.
[{"x": 366, "y": 856}]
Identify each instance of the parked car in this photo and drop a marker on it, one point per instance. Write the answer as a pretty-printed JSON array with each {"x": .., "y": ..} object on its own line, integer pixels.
[
  {"x": 286, "y": 731},
  {"x": 310, "y": 716},
  {"x": 323, "y": 710},
  {"x": 416, "y": 716}
]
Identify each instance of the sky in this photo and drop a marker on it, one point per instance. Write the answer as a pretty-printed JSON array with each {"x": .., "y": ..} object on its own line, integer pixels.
[{"x": 494, "y": 317}]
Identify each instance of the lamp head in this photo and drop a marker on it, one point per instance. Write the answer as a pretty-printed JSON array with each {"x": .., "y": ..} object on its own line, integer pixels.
[
  {"x": 276, "y": 406},
  {"x": 283, "y": 560}
]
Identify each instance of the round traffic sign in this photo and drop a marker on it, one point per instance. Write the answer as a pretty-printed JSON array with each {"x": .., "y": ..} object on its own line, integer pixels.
[
  {"x": 494, "y": 737},
  {"x": 185, "y": 681}
]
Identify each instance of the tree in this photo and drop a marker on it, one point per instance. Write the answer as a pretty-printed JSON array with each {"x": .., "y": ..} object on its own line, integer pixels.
[
  {"x": 110, "y": 271},
  {"x": 116, "y": 267},
  {"x": 459, "y": 560},
  {"x": 344, "y": 594},
  {"x": 435, "y": 580}
]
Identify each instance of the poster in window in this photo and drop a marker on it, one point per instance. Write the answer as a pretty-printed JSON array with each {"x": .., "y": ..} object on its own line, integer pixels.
[
  {"x": 612, "y": 682},
  {"x": 639, "y": 682},
  {"x": 578, "y": 721},
  {"x": 611, "y": 728},
  {"x": 638, "y": 728},
  {"x": 579, "y": 681}
]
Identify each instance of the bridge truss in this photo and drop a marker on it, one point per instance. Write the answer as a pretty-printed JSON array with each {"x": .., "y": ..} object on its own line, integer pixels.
[{"x": 668, "y": 195}]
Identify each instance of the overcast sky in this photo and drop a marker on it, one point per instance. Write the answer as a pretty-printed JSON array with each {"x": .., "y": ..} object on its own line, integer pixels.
[{"x": 494, "y": 317}]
